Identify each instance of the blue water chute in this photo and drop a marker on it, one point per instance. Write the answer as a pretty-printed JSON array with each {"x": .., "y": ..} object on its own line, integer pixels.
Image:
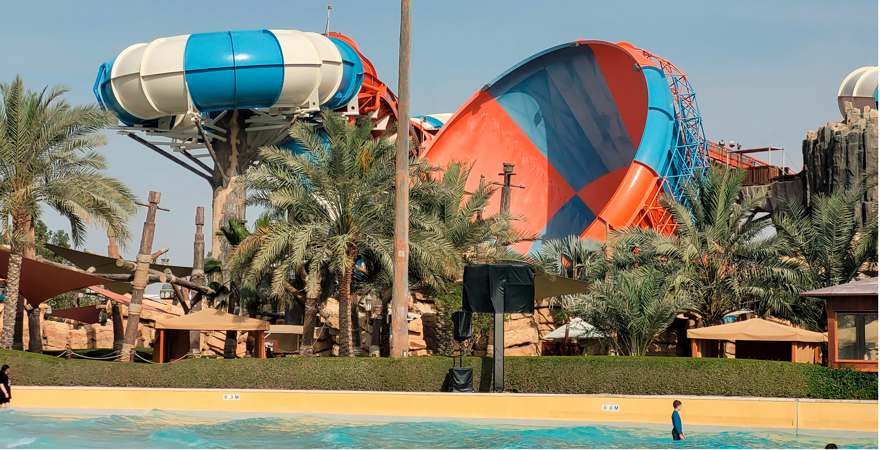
[
  {"x": 352, "y": 75},
  {"x": 233, "y": 69},
  {"x": 103, "y": 91}
]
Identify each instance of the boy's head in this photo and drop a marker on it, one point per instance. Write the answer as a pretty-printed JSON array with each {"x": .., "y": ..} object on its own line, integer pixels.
[{"x": 676, "y": 404}]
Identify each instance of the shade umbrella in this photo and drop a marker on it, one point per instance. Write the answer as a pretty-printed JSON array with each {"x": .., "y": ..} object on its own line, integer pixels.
[
  {"x": 41, "y": 280},
  {"x": 577, "y": 329}
]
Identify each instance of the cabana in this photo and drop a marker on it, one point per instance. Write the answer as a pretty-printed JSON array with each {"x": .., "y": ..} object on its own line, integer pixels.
[
  {"x": 759, "y": 339},
  {"x": 852, "y": 323},
  {"x": 284, "y": 339},
  {"x": 172, "y": 334}
]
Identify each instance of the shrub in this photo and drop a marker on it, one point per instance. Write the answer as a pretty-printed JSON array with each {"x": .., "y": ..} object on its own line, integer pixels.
[{"x": 547, "y": 374}]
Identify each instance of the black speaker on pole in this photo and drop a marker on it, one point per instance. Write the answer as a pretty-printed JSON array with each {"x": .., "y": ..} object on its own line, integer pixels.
[{"x": 462, "y": 325}]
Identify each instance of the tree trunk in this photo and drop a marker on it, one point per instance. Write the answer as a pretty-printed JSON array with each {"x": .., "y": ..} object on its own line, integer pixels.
[
  {"x": 355, "y": 324},
  {"x": 10, "y": 308},
  {"x": 18, "y": 332},
  {"x": 309, "y": 319},
  {"x": 345, "y": 347},
  {"x": 35, "y": 334},
  {"x": 377, "y": 326},
  {"x": 118, "y": 332},
  {"x": 23, "y": 224},
  {"x": 231, "y": 342},
  {"x": 310, "y": 316},
  {"x": 229, "y": 191}
]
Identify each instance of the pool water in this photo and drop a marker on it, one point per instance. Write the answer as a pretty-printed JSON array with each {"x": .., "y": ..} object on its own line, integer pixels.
[{"x": 160, "y": 429}]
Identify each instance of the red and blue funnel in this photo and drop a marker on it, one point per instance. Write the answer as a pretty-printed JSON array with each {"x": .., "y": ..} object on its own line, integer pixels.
[{"x": 591, "y": 129}]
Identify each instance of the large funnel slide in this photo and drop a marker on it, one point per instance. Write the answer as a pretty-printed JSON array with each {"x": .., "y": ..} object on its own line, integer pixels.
[
  {"x": 208, "y": 72},
  {"x": 590, "y": 128}
]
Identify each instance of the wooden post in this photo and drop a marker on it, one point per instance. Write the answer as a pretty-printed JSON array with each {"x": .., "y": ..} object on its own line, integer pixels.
[
  {"x": 159, "y": 351},
  {"x": 260, "y": 343},
  {"x": 198, "y": 273},
  {"x": 400, "y": 289},
  {"x": 695, "y": 349},
  {"x": 115, "y": 313},
  {"x": 832, "y": 333},
  {"x": 141, "y": 276},
  {"x": 793, "y": 351}
]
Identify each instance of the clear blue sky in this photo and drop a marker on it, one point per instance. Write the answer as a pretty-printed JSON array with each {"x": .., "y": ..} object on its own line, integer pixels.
[{"x": 765, "y": 71}]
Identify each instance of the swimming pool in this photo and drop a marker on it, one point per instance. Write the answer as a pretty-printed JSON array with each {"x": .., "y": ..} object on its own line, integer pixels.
[{"x": 161, "y": 429}]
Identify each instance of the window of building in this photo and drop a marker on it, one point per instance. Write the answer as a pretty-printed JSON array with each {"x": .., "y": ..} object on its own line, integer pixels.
[{"x": 857, "y": 336}]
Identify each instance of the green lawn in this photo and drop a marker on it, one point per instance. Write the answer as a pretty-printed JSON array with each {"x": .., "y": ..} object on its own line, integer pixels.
[{"x": 581, "y": 375}]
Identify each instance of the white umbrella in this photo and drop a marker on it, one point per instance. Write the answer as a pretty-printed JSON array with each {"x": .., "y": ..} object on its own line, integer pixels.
[{"x": 577, "y": 329}]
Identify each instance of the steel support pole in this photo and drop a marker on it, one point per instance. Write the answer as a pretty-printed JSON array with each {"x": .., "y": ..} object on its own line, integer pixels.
[
  {"x": 498, "y": 354},
  {"x": 498, "y": 346},
  {"x": 400, "y": 289}
]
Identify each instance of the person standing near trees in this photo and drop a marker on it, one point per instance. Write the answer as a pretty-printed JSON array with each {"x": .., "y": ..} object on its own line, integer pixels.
[
  {"x": 677, "y": 430},
  {"x": 5, "y": 389}
]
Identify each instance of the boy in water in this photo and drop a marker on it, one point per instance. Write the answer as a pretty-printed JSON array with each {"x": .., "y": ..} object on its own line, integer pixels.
[{"x": 677, "y": 430}]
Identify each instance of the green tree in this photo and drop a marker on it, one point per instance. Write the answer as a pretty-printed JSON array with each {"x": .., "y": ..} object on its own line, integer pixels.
[
  {"x": 332, "y": 207},
  {"x": 48, "y": 158},
  {"x": 829, "y": 243},
  {"x": 634, "y": 298},
  {"x": 729, "y": 257},
  {"x": 475, "y": 235}
]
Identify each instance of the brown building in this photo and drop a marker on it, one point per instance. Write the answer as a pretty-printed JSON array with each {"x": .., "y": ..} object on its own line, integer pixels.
[{"x": 852, "y": 323}]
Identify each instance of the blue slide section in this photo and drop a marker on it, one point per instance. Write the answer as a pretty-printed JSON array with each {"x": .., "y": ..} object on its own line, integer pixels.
[
  {"x": 545, "y": 91},
  {"x": 235, "y": 69},
  {"x": 654, "y": 148},
  {"x": 352, "y": 75}
]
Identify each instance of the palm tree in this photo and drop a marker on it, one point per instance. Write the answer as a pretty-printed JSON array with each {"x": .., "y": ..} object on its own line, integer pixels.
[
  {"x": 461, "y": 217},
  {"x": 729, "y": 257},
  {"x": 47, "y": 158},
  {"x": 829, "y": 243},
  {"x": 633, "y": 298},
  {"x": 332, "y": 207}
]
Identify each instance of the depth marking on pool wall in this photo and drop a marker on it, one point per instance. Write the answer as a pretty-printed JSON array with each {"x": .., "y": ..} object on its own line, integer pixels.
[
  {"x": 231, "y": 397},
  {"x": 610, "y": 407}
]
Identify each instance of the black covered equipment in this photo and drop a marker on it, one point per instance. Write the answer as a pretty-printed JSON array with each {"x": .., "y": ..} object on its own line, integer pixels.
[
  {"x": 459, "y": 379},
  {"x": 502, "y": 288},
  {"x": 462, "y": 325}
]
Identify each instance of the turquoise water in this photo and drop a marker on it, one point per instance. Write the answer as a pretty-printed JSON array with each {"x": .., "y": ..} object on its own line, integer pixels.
[{"x": 160, "y": 429}]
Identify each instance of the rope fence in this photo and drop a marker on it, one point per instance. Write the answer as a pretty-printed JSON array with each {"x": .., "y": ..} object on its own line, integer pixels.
[{"x": 70, "y": 354}]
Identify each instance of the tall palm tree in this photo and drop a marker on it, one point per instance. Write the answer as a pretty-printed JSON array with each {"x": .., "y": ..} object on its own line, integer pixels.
[
  {"x": 730, "y": 259},
  {"x": 48, "y": 158},
  {"x": 830, "y": 244},
  {"x": 332, "y": 204}
]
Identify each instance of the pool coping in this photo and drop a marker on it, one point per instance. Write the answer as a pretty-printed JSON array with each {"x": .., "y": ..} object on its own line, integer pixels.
[{"x": 753, "y": 412}]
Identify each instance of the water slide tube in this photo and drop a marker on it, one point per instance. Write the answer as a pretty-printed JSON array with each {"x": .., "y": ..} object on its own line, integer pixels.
[
  {"x": 156, "y": 84},
  {"x": 590, "y": 127}
]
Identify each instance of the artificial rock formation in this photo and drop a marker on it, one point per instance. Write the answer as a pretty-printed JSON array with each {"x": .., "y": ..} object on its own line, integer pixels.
[
  {"x": 59, "y": 334},
  {"x": 522, "y": 332},
  {"x": 840, "y": 154}
]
